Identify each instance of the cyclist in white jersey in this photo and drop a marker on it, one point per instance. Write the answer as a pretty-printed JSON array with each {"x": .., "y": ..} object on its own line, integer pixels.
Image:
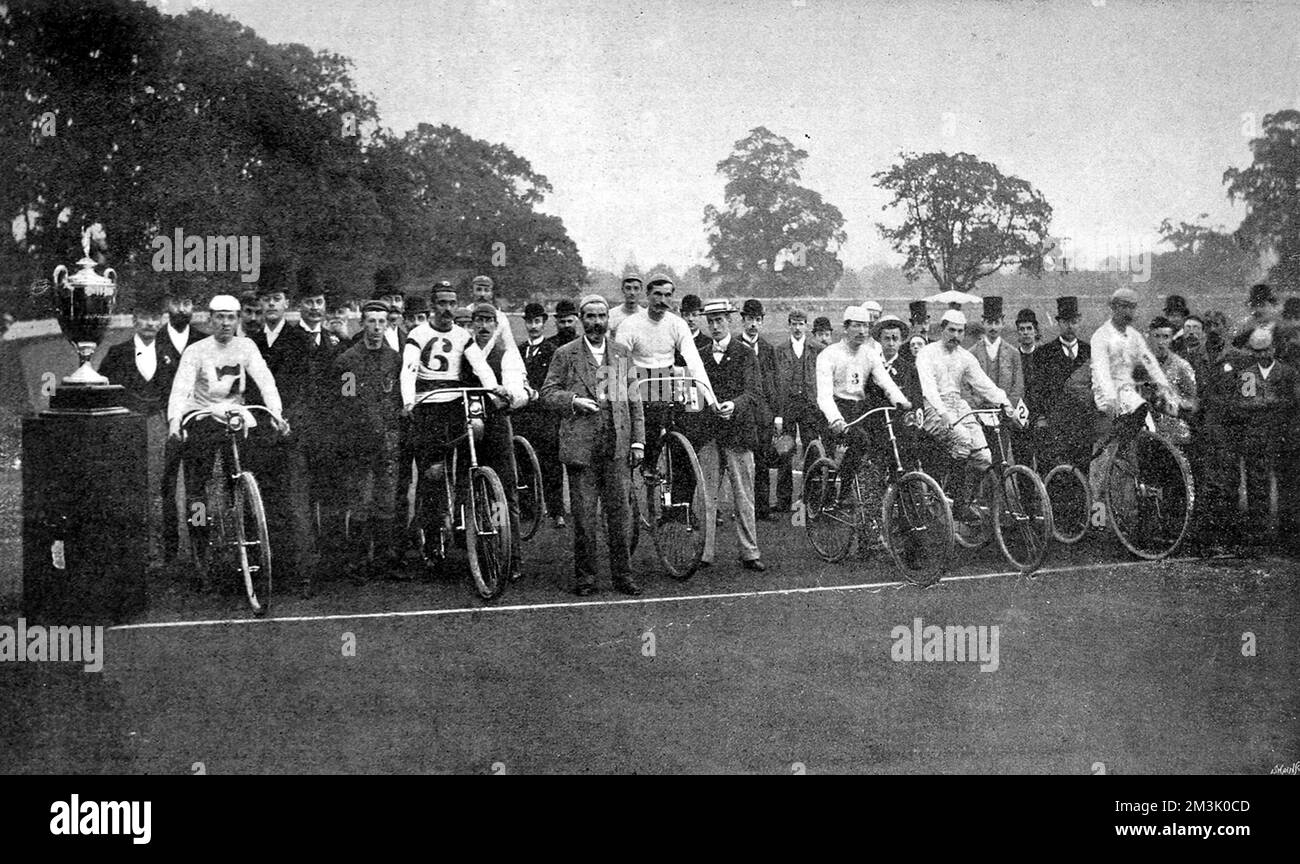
[
  {"x": 431, "y": 360},
  {"x": 842, "y": 372}
]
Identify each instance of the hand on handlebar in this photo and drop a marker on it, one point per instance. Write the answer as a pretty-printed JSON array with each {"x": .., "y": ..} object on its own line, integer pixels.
[
  {"x": 583, "y": 405},
  {"x": 837, "y": 425},
  {"x": 725, "y": 409},
  {"x": 281, "y": 425},
  {"x": 905, "y": 405}
]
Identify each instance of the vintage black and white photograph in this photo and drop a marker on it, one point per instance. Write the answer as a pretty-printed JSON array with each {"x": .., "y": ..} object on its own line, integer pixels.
[{"x": 727, "y": 387}]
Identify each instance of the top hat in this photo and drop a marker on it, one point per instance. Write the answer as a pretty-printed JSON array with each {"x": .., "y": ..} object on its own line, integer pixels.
[
  {"x": 918, "y": 312},
  {"x": 1067, "y": 308},
  {"x": 1176, "y": 303},
  {"x": 992, "y": 308},
  {"x": 1261, "y": 293}
]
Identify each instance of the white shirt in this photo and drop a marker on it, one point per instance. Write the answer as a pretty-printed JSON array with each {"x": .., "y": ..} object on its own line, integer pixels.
[
  {"x": 1071, "y": 348},
  {"x": 390, "y": 336},
  {"x": 1264, "y": 371},
  {"x": 1114, "y": 357},
  {"x": 313, "y": 332},
  {"x": 842, "y": 373},
  {"x": 273, "y": 333},
  {"x": 146, "y": 358},
  {"x": 991, "y": 348},
  {"x": 618, "y": 315},
  {"x": 211, "y": 373},
  {"x": 943, "y": 372},
  {"x": 796, "y": 345},
  {"x": 431, "y": 359},
  {"x": 652, "y": 344},
  {"x": 720, "y": 348},
  {"x": 598, "y": 354},
  {"x": 179, "y": 338}
]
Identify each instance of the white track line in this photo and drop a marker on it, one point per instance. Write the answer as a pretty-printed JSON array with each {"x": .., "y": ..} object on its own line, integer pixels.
[{"x": 533, "y": 607}]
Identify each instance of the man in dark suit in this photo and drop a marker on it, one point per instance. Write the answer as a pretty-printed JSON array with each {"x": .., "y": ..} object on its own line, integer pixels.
[
  {"x": 796, "y": 398},
  {"x": 1062, "y": 437},
  {"x": 1261, "y": 416},
  {"x": 566, "y": 323},
  {"x": 146, "y": 370},
  {"x": 172, "y": 340},
  {"x": 591, "y": 385},
  {"x": 751, "y": 321},
  {"x": 284, "y": 347},
  {"x": 535, "y": 422},
  {"x": 741, "y": 418}
]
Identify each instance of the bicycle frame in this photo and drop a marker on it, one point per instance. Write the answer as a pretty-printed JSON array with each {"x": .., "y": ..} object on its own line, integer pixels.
[
  {"x": 234, "y": 422},
  {"x": 1003, "y": 455},
  {"x": 893, "y": 437},
  {"x": 474, "y": 409}
]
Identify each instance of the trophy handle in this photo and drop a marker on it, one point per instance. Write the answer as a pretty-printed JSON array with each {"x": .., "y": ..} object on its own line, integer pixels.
[
  {"x": 109, "y": 273},
  {"x": 60, "y": 275}
]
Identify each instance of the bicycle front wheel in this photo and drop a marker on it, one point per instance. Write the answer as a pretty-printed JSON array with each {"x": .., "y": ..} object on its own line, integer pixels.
[
  {"x": 675, "y": 507},
  {"x": 1022, "y": 518},
  {"x": 1070, "y": 494},
  {"x": 832, "y": 511},
  {"x": 529, "y": 487},
  {"x": 918, "y": 527},
  {"x": 1149, "y": 496},
  {"x": 487, "y": 532},
  {"x": 252, "y": 543}
]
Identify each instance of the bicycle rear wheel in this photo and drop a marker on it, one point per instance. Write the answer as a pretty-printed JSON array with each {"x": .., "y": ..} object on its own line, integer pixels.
[
  {"x": 1070, "y": 494},
  {"x": 832, "y": 511},
  {"x": 918, "y": 527},
  {"x": 972, "y": 523},
  {"x": 1022, "y": 518},
  {"x": 487, "y": 532},
  {"x": 675, "y": 507},
  {"x": 252, "y": 543},
  {"x": 529, "y": 486},
  {"x": 1149, "y": 496}
]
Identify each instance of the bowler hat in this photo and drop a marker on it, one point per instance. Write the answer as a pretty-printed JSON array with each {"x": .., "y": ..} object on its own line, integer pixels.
[
  {"x": 822, "y": 324},
  {"x": 918, "y": 312},
  {"x": 417, "y": 305},
  {"x": 1176, "y": 303},
  {"x": 534, "y": 310},
  {"x": 752, "y": 307},
  {"x": 565, "y": 307},
  {"x": 691, "y": 304},
  {"x": 1026, "y": 314}
]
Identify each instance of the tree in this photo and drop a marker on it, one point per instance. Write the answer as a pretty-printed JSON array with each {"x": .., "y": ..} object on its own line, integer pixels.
[
  {"x": 772, "y": 237},
  {"x": 1271, "y": 189},
  {"x": 1202, "y": 257},
  {"x": 963, "y": 219}
]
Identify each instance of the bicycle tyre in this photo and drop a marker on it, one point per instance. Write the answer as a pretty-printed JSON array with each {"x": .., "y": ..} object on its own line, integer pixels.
[
  {"x": 1022, "y": 518},
  {"x": 830, "y": 521},
  {"x": 677, "y": 527},
  {"x": 1172, "y": 522},
  {"x": 254, "y": 554},
  {"x": 529, "y": 488},
  {"x": 487, "y": 533},
  {"x": 980, "y": 538},
  {"x": 915, "y": 515},
  {"x": 1070, "y": 494}
]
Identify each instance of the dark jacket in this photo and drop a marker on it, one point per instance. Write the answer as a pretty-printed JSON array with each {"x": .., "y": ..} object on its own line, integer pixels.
[
  {"x": 737, "y": 379},
  {"x": 303, "y": 376},
  {"x": 1052, "y": 368},
  {"x": 146, "y": 397},
  {"x": 574, "y": 373},
  {"x": 791, "y": 372},
  {"x": 165, "y": 342},
  {"x": 540, "y": 363},
  {"x": 368, "y": 400},
  {"x": 903, "y": 371}
]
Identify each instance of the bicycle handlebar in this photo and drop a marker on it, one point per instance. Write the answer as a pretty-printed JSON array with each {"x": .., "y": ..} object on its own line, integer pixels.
[
  {"x": 230, "y": 410},
  {"x": 885, "y": 408},
  {"x": 683, "y": 379},
  {"x": 421, "y": 398}
]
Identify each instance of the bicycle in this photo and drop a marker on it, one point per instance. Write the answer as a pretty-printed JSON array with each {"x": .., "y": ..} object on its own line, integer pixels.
[
  {"x": 674, "y": 489},
  {"x": 1149, "y": 490},
  {"x": 1015, "y": 497},
  {"x": 475, "y": 504},
  {"x": 234, "y": 511},
  {"x": 915, "y": 522},
  {"x": 528, "y": 484}
]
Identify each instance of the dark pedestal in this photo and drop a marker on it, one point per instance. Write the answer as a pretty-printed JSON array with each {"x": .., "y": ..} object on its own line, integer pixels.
[{"x": 85, "y": 517}]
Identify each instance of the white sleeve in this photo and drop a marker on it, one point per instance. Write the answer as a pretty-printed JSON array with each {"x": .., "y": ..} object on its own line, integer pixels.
[
  {"x": 515, "y": 378},
  {"x": 826, "y": 386},
  {"x": 182, "y": 385},
  {"x": 410, "y": 365},
  {"x": 929, "y": 380},
  {"x": 1103, "y": 388}
]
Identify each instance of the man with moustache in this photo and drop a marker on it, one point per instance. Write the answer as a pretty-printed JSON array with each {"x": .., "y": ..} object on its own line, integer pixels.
[
  {"x": 796, "y": 398},
  {"x": 146, "y": 371},
  {"x": 823, "y": 333},
  {"x": 1023, "y": 441},
  {"x": 591, "y": 385},
  {"x": 416, "y": 312},
  {"x": 1061, "y": 439},
  {"x": 368, "y": 403},
  {"x": 751, "y": 322},
  {"x": 250, "y": 313},
  {"x": 485, "y": 292},
  {"x": 535, "y": 422},
  {"x": 432, "y": 360},
  {"x": 566, "y": 323},
  {"x": 999, "y": 360}
]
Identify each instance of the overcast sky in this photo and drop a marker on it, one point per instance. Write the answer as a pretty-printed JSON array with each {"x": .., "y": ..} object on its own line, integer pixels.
[{"x": 1121, "y": 113}]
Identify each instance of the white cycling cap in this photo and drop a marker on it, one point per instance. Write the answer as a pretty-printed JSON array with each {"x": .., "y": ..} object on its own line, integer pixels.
[{"x": 223, "y": 303}]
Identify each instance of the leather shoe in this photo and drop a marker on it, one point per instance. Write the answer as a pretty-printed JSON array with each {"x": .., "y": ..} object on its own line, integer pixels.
[
  {"x": 585, "y": 590},
  {"x": 756, "y": 565},
  {"x": 627, "y": 586}
]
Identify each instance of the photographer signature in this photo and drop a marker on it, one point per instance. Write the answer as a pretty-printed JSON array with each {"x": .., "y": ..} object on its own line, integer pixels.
[{"x": 1293, "y": 768}]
